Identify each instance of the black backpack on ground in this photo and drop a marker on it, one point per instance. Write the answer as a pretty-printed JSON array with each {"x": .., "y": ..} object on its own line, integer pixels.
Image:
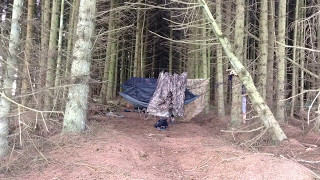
[{"x": 161, "y": 124}]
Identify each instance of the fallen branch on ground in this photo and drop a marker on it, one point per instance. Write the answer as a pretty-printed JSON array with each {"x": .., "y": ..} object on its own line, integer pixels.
[{"x": 243, "y": 131}]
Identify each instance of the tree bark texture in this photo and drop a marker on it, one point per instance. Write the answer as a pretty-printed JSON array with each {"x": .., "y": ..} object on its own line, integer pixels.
[
  {"x": 77, "y": 104},
  {"x": 109, "y": 58},
  {"x": 11, "y": 71},
  {"x": 59, "y": 59},
  {"x": 263, "y": 48},
  {"x": 271, "y": 43},
  {"x": 52, "y": 53},
  {"x": 238, "y": 47},
  {"x": 137, "y": 55},
  {"x": 28, "y": 48},
  {"x": 281, "y": 61},
  {"x": 112, "y": 42},
  {"x": 294, "y": 57},
  {"x": 45, "y": 26},
  {"x": 219, "y": 72}
]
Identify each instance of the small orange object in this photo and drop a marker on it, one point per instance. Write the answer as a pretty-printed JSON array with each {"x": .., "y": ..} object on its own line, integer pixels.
[{"x": 129, "y": 106}]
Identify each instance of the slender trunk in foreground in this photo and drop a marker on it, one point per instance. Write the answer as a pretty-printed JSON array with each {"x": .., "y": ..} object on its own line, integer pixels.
[{"x": 258, "y": 103}]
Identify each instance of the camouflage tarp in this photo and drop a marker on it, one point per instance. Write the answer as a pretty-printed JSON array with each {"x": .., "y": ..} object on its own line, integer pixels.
[
  {"x": 199, "y": 87},
  {"x": 169, "y": 95}
]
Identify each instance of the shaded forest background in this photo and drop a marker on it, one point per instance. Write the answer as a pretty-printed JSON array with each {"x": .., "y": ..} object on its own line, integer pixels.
[{"x": 277, "y": 41}]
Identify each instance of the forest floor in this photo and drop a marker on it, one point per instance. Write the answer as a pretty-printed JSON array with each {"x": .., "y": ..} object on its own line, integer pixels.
[{"x": 131, "y": 148}]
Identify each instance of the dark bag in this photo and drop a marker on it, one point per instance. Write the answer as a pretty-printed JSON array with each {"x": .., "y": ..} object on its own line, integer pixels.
[{"x": 161, "y": 124}]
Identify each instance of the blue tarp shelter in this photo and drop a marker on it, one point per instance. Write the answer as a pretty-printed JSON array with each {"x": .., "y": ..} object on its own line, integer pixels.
[{"x": 139, "y": 91}]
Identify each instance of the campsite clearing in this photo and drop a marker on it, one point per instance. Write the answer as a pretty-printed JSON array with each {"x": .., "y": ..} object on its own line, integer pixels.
[{"x": 131, "y": 148}]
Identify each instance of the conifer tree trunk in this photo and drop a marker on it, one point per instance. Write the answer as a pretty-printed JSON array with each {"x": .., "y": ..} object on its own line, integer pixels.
[
  {"x": 143, "y": 47},
  {"x": 280, "y": 111},
  {"x": 137, "y": 56},
  {"x": 109, "y": 54},
  {"x": 112, "y": 70},
  {"x": 238, "y": 45},
  {"x": 112, "y": 53},
  {"x": 302, "y": 59},
  {"x": 302, "y": 55},
  {"x": 205, "y": 62},
  {"x": 219, "y": 72},
  {"x": 229, "y": 20},
  {"x": 132, "y": 52},
  {"x": 105, "y": 81},
  {"x": 204, "y": 73},
  {"x": 11, "y": 71},
  {"x": 294, "y": 53},
  {"x": 123, "y": 62},
  {"x": 263, "y": 48},
  {"x": 71, "y": 31},
  {"x": 59, "y": 59},
  {"x": 271, "y": 43},
  {"x": 116, "y": 72},
  {"x": 28, "y": 49},
  {"x": 77, "y": 105},
  {"x": 3, "y": 32},
  {"x": 153, "y": 59},
  {"x": 45, "y": 26},
  {"x": 52, "y": 51},
  {"x": 72, "y": 26},
  {"x": 257, "y": 101},
  {"x": 170, "y": 49}
]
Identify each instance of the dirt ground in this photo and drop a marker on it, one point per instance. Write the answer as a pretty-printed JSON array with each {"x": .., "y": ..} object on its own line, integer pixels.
[{"x": 131, "y": 148}]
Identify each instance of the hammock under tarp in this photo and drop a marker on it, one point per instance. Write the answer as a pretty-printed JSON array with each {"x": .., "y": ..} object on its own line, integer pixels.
[{"x": 139, "y": 91}]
